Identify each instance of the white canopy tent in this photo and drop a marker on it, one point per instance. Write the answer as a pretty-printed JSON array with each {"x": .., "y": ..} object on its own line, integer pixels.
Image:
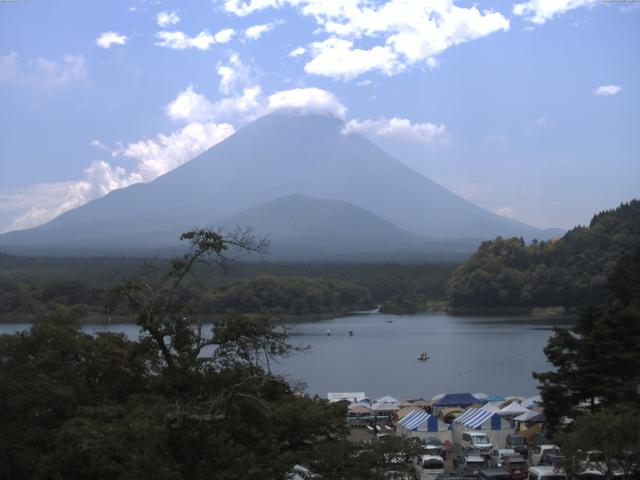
[
  {"x": 514, "y": 408},
  {"x": 523, "y": 417}
]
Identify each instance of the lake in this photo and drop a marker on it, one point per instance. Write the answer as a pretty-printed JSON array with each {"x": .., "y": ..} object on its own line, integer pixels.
[{"x": 468, "y": 353}]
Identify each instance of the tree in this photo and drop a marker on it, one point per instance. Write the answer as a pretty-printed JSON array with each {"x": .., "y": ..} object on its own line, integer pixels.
[
  {"x": 614, "y": 434},
  {"x": 597, "y": 363},
  {"x": 177, "y": 403}
]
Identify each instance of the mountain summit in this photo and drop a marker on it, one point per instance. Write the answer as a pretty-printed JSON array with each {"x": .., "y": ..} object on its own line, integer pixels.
[{"x": 277, "y": 155}]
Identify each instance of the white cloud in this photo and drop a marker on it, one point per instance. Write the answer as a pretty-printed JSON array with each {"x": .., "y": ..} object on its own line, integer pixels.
[
  {"x": 307, "y": 101},
  {"x": 399, "y": 128},
  {"x": 225, "y": 35},
  {"x": 8, "y": 67},
  {"x": 106, "y": 39},
  {"x": 234, "y": 74},
  {"x": 256, "y": 31},
  {"x": 540, "y": 11},
  {"x": 337, "y": 58},
  {"x": 166, "y": 19},
  {"x": 296, "y": 52},
  {"x": 505, "y": 211},
  {"x": 42, "y": 73},
  {"x": 163, "y": 153},
  {"x": 43, "y": 202},
  {"x": 399, "y": 33},
  {"x": 248, "y": 104},
  {"x": 607, "y": 90},
  {"x": 180, "y": 41},
  {"x": 191, "y": 106},
  {"x": 154, "y": 157},
  {"x": 364, "y": 83}
]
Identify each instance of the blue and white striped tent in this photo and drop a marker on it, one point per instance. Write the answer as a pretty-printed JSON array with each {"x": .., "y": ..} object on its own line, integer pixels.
[
  {"x": 491, "y": 423},
  {"x": 422, "y": 425}
]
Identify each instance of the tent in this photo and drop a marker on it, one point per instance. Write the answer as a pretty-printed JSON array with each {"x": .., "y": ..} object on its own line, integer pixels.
[
  {"x": 480, "y": 396},
  {"x": 461, "y": 400},
  {"x": 532, "y": 402},
  {"x": 526, "y": 416},
  {"x": 490, "y": 423},
  {"x": 490, "y": 407},
  {"x": 514, "y": 408},
  {"x": 420, "y": 424},
  {"x": 539, "y": 418},
  {"x": 495, "y": 398},
  {"x": 404, "y": 411}
]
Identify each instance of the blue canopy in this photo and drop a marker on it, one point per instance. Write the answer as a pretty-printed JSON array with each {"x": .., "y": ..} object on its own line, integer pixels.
[
  {"x": 457, "y": 400},
  {"x": 495, "y": 398},
  {"x": 476, "y": 418},
  {"x": 416, "y": 419}
]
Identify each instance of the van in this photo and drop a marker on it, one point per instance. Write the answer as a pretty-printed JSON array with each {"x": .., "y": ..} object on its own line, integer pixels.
[
  {"x": 546, "y": 473},
  {"x": 477, "y": 441},
  {"x": 427, "y": 467}
]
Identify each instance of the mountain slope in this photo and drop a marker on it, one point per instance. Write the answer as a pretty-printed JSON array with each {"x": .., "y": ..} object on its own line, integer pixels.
[
  {"x": 571, "y": 271},
  {"x": 274, "y": 156}
]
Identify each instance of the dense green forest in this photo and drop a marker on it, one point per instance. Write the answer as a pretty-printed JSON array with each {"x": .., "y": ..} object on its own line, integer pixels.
[
  {"x": 285, "y": 295},
  {"x": 33, "y": 287},
  {"x": 570, "y": 272}
]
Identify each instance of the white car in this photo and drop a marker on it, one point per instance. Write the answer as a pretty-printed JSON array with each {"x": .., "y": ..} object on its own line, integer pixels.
[
  {"x": 499, "y": 454},
  {"x": 539, "y": 451},
  {"x": 427, "y": 467},
  {"x": 546, "y": 473},
  {"x": 476, "y": 441}
]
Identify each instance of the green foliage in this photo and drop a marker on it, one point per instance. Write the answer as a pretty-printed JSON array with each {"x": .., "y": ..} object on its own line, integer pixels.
[
  {"x": 77, "y": 406},
  {"x": 570, "y": 272},
  {"x": 32, "y": 288},
  {"x": 294, "y": 296},
  {"x": 615, "y": 434},
  {"x": 597, "y": 363}
]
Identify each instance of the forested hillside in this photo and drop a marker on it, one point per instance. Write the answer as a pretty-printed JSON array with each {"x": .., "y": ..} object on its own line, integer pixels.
[
  {"x": 294, "y": 296},
  {"x": 571, "y": 271},
  {"x": 32, "y": 288}
]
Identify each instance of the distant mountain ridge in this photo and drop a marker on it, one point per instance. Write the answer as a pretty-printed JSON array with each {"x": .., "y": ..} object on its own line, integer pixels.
[{"x": 276, "y": 156}]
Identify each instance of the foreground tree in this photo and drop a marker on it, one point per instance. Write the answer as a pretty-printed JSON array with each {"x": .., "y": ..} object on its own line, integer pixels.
[
  {"x": 597, "y": 363},
  {"x": 177, "y": 403},
  {"x": 615, "y": 435}
]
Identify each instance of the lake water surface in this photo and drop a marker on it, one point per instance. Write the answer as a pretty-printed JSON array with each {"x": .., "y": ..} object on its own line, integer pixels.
[{"x": 468, "y": 354}]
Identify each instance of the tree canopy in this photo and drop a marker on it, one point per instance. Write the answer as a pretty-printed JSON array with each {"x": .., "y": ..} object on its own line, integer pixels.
[
  {"x": 571, "y": 271},
  {"x": 597, "y": 363}
]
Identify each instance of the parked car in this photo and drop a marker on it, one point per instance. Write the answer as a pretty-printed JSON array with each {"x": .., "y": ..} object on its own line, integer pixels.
[
  {"x": 427, "y": 467},
  {"x": 516, "y": 466},
  {"x": 469, "y": 464},
  {"x": 595, "y": 461},
  {"x": 476, "y": 441},
  {"x": 518, "y": 443},
  {"x": 540, "y": 450},
  {"x": 537, "y": 439},
  {"x": 546, "y": 473},
  {"x": 552, "y": 457},
  {"x": 434, "y": 446},
  {"x": 498, "y": 455},
  {"x": 494, "y": 474}
]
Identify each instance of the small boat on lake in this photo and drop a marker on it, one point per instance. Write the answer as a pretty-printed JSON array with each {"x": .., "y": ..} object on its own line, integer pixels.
[{"x": 423, "y": 356}]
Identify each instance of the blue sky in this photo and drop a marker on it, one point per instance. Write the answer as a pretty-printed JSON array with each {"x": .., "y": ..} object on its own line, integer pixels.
[{"x": 529, "y": 109}]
